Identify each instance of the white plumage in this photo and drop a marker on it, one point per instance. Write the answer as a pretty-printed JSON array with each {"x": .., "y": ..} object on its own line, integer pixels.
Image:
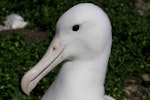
[
  {"x": 14, "y": 21},
  {"x": 83, "y": 41}
]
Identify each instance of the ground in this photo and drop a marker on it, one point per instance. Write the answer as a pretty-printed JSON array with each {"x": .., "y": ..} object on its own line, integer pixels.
[{"x": 32, "y": 34}]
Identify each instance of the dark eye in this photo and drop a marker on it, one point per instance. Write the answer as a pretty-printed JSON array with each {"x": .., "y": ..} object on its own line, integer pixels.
[{"x": 75, "y": 27}]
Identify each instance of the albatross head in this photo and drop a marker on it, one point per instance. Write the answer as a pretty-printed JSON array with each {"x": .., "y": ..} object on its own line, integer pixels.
[{"x": 83, "y": 33}]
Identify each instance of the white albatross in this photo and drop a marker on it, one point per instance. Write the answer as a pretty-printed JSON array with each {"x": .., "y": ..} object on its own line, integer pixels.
[
  {"x": 15, "y": 21},
  {"x": 83, "y": 41}
]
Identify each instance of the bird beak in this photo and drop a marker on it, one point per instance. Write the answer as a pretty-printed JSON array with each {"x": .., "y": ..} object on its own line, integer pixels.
[{"x": 52, "y": 58}]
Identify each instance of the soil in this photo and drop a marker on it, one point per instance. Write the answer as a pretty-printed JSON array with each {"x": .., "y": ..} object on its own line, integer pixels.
[{"x": 32, "y": 35}]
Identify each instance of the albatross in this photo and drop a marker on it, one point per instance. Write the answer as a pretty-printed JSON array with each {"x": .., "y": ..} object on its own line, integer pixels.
[{"x": 82, "y": 41}]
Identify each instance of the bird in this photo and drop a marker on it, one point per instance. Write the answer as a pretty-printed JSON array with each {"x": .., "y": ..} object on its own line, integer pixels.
[
  {"x": 14, "y": 21},
  {"x": 82, "y": 42}
]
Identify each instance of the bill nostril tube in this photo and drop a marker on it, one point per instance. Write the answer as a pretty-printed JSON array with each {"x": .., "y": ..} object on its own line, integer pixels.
[{"x": 54, "y": 48}]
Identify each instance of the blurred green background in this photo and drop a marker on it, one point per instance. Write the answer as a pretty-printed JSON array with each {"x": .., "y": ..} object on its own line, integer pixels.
[{"x": 130, "y": 57}]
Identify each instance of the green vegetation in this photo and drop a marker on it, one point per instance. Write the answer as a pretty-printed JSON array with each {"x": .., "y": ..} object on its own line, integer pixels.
[{"x": 130, "y": 55}]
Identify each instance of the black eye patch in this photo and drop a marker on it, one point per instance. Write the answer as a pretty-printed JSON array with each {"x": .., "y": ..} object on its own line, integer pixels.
[{"x": 75, "y": 27}]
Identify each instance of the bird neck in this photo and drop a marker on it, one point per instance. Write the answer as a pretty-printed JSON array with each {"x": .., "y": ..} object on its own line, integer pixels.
[
  {"x": 84, "y": 76},
  {"x": 89, "y": 71},
  {"x": 80, "y": 79}
]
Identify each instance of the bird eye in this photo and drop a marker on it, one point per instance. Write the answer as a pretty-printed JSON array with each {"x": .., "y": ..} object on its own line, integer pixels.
[{"x": 75, "y": 27}]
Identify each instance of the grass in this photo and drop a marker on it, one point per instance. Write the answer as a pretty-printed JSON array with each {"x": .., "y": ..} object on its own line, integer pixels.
[{"x": 130, "y": 50}]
